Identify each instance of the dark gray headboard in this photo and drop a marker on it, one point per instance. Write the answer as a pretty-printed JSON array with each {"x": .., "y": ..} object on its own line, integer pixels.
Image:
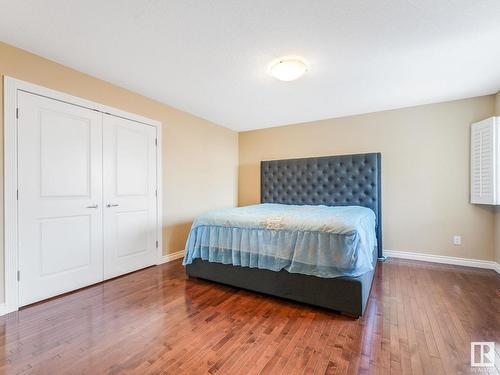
[{"x": 344, "y": 180}]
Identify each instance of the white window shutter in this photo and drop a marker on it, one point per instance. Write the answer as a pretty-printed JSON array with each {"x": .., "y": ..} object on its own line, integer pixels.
[{"x": 484, "y": 162}]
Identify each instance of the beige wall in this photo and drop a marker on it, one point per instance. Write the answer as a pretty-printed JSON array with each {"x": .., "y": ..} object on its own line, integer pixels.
[
  {"x": 425, "y": 170},
  {"x": 200, "y": 159}
]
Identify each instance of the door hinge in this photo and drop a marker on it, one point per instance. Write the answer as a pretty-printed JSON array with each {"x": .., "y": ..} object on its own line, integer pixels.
[
  {"x": 156, "y": 192},
  {"x": 18, "y": 275},
  {"x": 17, "y": 113},
  {"x": 156, "y": 141},
  {"x": 157, "y": 244},
  {"x": 17, "y": 194}
]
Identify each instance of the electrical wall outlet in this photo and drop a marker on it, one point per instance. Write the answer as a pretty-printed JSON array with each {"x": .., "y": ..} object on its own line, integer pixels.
[{"x": 457, "y": 240}]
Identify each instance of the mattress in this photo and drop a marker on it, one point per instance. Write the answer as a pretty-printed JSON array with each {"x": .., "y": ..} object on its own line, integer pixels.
[{"x": 318, "y": 240}]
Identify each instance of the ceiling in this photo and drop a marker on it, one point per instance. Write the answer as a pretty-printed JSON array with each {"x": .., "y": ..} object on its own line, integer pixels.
[{"x": 210, "y": 58}]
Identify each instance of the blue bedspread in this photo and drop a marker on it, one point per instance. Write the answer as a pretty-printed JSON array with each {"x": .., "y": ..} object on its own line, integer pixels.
[{"x": 314, "y": 240}]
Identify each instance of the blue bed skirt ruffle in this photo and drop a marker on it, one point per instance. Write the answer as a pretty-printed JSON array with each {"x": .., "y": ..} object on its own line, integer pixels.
[{"x": 314, "y": 253}]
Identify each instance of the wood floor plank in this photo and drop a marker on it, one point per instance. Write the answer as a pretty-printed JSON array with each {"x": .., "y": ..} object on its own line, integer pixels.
[{"x": 420, "y": 319}]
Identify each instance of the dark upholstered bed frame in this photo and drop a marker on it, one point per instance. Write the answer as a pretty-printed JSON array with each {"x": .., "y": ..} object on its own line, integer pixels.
[{"x": 345, "y": 180}]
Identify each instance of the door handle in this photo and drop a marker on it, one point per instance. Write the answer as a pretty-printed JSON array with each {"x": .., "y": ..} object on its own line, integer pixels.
[
  {"x": 93, "y": 206},
  {"x": 109, "y": 205}
]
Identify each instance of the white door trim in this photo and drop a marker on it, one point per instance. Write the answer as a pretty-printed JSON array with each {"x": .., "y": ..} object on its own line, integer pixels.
[{"x": 11, "y": 87}]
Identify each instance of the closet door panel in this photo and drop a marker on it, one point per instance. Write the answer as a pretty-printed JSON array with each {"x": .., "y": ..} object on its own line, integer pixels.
[
  {"x": 129, "y": 177},
  {"x": 60, "y": 195}
]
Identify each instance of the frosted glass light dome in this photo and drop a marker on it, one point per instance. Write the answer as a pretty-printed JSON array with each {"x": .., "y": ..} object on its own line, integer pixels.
[{"x": 288, "y": 69}]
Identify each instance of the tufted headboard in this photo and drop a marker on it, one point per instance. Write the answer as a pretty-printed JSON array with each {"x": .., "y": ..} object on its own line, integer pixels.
[{"x": 344, "y": 180}]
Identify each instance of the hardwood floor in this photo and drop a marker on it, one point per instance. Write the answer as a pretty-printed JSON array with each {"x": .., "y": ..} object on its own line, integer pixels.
[{"x": 420, "y": 319}]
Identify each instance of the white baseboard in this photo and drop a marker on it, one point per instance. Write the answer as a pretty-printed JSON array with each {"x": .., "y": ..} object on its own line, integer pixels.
[
  {"x": 4, "y": 309},
  {"x": 487, "y": 264},
  {"x": 170, "y": 257},
  {"x": 496, "y": 267}
]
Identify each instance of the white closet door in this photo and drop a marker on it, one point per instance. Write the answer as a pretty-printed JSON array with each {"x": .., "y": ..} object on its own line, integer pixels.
[
  {"x": 60, "y": 195},
  {"x": 129, "y": 177}
]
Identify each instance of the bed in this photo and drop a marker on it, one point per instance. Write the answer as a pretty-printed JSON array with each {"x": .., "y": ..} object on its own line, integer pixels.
[{"x": 315, "y": 238}]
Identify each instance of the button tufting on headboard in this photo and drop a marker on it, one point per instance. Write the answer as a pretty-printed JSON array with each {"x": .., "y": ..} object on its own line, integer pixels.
[{"x": 344, "y": 180}]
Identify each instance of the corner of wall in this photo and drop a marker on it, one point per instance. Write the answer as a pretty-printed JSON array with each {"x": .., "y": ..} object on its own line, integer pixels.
[
  {"x": 497, "y": 210},
  {"x": 497, "y": 103}
]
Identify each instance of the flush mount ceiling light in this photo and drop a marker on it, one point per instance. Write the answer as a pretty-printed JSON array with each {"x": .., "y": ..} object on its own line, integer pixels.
[{"x": 288, "y": 69}]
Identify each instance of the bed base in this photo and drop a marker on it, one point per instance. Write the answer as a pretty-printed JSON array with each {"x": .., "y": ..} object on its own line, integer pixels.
[{"x": 348, "y": 295}]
